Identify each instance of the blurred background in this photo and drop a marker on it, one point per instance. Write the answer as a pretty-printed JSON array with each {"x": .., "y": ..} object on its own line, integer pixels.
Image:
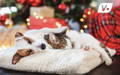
[{"x": 79, "y": 15}]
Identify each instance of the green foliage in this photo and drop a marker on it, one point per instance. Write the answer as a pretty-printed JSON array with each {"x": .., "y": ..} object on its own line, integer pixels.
[
  {"x": 10, "y": 2},
  {"x": 74, "y": 13},
  {"x": 76, "y": 8}
]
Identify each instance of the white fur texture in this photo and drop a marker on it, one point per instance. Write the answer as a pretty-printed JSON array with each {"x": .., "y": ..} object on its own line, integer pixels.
[
  {"x": 83, "y": 40},
  {"x": 80, "y": 40},
  {"x": 54, "y": 61}
]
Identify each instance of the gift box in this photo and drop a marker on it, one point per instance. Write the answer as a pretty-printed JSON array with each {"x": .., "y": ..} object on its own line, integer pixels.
[
  {"x": 41, "y": 22},
  {"x": 41, "y": 17},
  {"x": 44, "y": 11}
]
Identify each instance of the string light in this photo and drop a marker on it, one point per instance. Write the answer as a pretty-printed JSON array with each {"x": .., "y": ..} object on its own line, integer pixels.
[
  {"x": 28, "y": 23},
  {"x": 37, "y": 17},
  {"x": 89, "y": 12},
  {"x": 27, "y": 19},
  {"x": 85, "y": 26},
  {"x": 81, "y": 31},
  {"x": 35, "y": 14},
  {"x": 41, "y": 17},
  {"x": 81, "y": 20}
]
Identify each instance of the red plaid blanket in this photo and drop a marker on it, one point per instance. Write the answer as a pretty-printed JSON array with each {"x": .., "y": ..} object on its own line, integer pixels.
[{"x": 106, "y": 28}]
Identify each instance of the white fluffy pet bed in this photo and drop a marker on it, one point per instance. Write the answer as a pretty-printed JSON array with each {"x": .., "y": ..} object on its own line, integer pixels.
[{"x": 54, "y": 61}]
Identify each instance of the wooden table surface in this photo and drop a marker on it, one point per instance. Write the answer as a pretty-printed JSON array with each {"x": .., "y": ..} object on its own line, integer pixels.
[{"x": 114, "y": 69}]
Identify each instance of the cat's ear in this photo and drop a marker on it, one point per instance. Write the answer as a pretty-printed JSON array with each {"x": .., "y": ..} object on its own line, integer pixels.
[
  {"x": 62, "y": 31},
  {"x": 18, "y": 34},
  {"x": 51, "y": 37}
]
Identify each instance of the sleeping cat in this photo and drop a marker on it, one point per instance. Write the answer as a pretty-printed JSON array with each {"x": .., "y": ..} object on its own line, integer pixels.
[
  {"x": 77, "y": 41},
  {"x": 47, "y": 38}
]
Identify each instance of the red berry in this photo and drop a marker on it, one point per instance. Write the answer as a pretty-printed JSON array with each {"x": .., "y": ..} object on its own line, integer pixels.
[{"x": 62, "y": 6}]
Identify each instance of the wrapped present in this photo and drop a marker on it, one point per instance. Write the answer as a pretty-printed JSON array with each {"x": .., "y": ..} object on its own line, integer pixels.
[
  {"x": 44, "y": 11},
  {"x": 41, "y": 17},
  {"x": 41, "y": 22},
  {"x": 106, "y": 28}
]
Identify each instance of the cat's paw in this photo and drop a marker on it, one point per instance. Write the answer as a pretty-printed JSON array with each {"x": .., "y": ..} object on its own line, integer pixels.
[{"x": 108, "y": 62}]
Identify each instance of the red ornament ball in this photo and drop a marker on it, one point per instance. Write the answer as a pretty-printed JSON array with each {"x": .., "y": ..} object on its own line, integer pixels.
[
  {"x": 21, "y": 1},
  {"x": 62, "y": 6},
  {"x": 35, "y": 2}
]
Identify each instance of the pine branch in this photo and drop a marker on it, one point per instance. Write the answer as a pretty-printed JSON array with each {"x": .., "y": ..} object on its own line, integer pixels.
[{"x": 10, "y": 2}]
